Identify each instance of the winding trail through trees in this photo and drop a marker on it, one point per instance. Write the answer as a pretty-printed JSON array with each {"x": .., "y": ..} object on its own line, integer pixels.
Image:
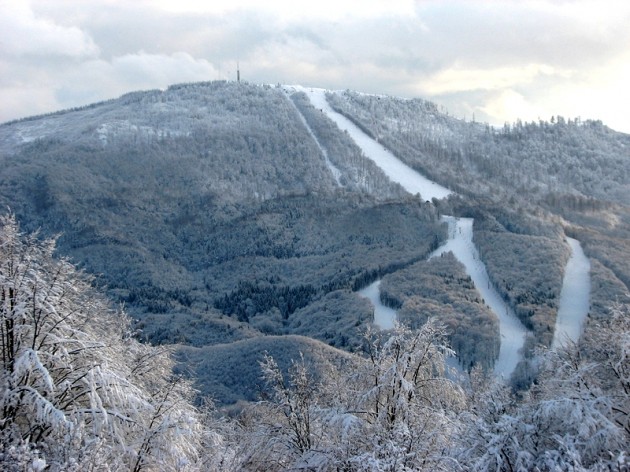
[
  {"x": 384, "y": 316},
  {"x": 576, "y": 288},
  {"x": 460, "y": 243}
]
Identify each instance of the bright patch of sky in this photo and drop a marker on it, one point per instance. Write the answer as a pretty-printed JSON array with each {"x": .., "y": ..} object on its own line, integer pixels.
[{"x": 498, "y": 60}]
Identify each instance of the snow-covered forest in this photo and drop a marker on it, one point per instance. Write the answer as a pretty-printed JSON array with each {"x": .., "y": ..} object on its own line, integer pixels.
[
  {"x": 237, "y": 225},
  {"x": 80, "y": 393},
  {"x": 532, "y": 160}
]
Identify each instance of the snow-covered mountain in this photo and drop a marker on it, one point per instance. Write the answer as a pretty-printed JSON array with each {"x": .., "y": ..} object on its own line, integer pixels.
[{"x": 222, "y": 212}]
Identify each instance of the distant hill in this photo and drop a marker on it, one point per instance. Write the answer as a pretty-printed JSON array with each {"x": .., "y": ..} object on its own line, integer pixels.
[{"x": 231, "y": 372}]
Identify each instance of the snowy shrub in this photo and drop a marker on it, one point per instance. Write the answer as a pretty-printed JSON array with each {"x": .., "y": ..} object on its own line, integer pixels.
[
  {"x": 75, "y": 387},
  {"x": 395, "y": 411},
  {"x": 575, "y": 418}
]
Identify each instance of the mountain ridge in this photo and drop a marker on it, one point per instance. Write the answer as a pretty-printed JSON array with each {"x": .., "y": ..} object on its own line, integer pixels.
[{"x": 209, "y": 209}]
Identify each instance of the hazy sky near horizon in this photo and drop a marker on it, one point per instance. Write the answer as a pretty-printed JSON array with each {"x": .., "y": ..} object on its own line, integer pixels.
[{"x": 500, "y": 60}]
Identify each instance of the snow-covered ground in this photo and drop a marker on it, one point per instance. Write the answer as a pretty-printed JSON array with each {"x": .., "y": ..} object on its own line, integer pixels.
[
  {"x": 460, "y": 243},
  {"x": 396, "y": 170},
  {"x": 574, "y": 297},
  {"x": 384, "y": 317}
]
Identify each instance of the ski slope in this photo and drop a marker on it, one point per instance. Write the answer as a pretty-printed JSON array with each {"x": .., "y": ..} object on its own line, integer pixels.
[
  {"x": 574, "y": 297},
  {"x": 460, "y": 243},
  {"x": 384, "y": 317},
  {"x": 396, "y": 170}
]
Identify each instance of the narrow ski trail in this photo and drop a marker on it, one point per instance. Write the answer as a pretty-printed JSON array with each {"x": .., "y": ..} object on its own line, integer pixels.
[
  {"x": 574, "y": 297},
  {"x": 512, "y": 331},
  {"x": 336, "y": 173}
]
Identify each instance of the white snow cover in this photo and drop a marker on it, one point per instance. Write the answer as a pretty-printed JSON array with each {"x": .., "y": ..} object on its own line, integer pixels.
[
  {"x": 396, "y": 170},
  {"x": 460, "y": 243},
  {"x": 384, "y": 317},
  {"x": 574, "y": 297}
]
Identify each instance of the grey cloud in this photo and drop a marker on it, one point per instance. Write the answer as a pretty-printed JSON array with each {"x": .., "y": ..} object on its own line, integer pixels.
[
  {"x": 492, "y": 33},
  {"x": 132, "y": 45},
  {"x": 23, "y": 34},
  {"x": 99, "y": 79}
]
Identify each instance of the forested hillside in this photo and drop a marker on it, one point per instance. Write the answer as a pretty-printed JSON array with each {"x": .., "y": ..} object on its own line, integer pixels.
[
  {"x": 79, "y": 392},
  {"x": 207, "y": 206},
  {"x": 236, "y": 224},
  {"x": 440, "y": 288},
  {"x": 521, "y": 160},
  {"x": 222, "y": 211}
]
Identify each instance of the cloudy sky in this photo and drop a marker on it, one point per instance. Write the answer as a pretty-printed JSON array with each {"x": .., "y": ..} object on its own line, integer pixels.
[{"x": 500, "y": 60}]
